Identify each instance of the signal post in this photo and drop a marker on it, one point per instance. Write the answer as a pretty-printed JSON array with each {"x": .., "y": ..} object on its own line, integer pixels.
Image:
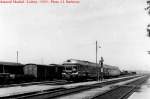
[{"x": 101, "y": 69}]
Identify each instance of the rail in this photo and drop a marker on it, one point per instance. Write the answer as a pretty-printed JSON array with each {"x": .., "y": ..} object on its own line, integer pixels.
[{"x": 121, "y": 92}]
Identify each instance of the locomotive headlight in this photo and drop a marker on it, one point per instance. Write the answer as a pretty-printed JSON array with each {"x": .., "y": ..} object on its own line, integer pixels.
[
  {"x": 63, "y": 73},
  {"x": 76, "y": 73},
  {"x": 12, "y": 76}
]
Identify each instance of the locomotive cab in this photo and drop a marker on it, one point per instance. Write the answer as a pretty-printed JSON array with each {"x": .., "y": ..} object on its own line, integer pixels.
[{"x": 69, "y": 72}]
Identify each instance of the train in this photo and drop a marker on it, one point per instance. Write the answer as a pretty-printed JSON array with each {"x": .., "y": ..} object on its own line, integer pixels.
[
  {"x": 11, "y": 72},
  {"x": 71, "y": 70},
  {"x": 125, "y": 72},
  {"x": 82, "y": 70}
]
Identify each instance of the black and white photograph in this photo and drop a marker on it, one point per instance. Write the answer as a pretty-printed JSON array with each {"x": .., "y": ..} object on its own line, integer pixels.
[{"x": 75, "y": 49}]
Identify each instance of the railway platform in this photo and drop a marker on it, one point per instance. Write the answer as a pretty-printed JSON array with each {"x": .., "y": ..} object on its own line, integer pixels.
[{"x": 143, "y": 92}]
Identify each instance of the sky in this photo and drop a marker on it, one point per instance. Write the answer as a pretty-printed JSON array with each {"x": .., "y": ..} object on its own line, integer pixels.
[{"x": 53, "y": 33}]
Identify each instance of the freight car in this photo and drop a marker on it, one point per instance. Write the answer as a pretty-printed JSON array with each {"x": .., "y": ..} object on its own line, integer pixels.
[
  {"x": 43, "y": 72},
  {"x": 57, "y": 71},
  {"x": 10, "y": 72},
  {"x": 11, "y": 67},
  {"x": 81, "y": 70},
  {"x": 125, "y": 72}
]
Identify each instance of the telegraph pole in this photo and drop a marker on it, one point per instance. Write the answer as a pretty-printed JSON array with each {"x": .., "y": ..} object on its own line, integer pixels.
[
  {"x": 96, "y": 52},
  {"x": 97, "y": 64}
]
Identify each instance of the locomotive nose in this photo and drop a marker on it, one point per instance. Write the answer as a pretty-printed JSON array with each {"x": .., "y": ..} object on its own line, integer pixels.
[{"x": 65, "y": 75}]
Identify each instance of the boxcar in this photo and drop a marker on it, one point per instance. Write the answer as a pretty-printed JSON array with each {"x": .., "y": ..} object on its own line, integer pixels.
[
  {"x": 58, "y": 71},
  {"x": 43, "y": 72},
  {"x": 10, "y": 72},
  {"x": 11, "y": 67}
]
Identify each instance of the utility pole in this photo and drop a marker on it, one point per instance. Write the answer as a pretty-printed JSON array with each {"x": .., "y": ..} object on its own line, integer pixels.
[
  {"x": 17, "y": 57},
  {"x": 96, "y": 52},
  {"x": 97, "y": 64}
]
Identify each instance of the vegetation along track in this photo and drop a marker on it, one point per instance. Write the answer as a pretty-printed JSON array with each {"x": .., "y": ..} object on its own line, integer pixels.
[
  {"x": 53, "y": 93},
  {"x": 122, "y": 92}
]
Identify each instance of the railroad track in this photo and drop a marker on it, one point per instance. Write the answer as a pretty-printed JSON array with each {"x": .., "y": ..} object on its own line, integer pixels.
[
  {"x": 64, "y": 91},
  {"x": 57, "y": 82},
  {"x": 121, "y": 92}
]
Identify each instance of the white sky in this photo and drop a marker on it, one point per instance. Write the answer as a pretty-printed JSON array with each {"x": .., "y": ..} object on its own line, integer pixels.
[{"x": 52, "y": 33}]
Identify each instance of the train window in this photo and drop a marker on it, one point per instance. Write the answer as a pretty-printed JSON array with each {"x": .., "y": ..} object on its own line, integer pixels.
[
  {"x": 75, "y": 67},
  {"x": 68, "y": 68}
]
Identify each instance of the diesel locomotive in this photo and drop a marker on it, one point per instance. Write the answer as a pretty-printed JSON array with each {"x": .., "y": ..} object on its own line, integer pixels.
[{"x": 82, "y": 70}]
